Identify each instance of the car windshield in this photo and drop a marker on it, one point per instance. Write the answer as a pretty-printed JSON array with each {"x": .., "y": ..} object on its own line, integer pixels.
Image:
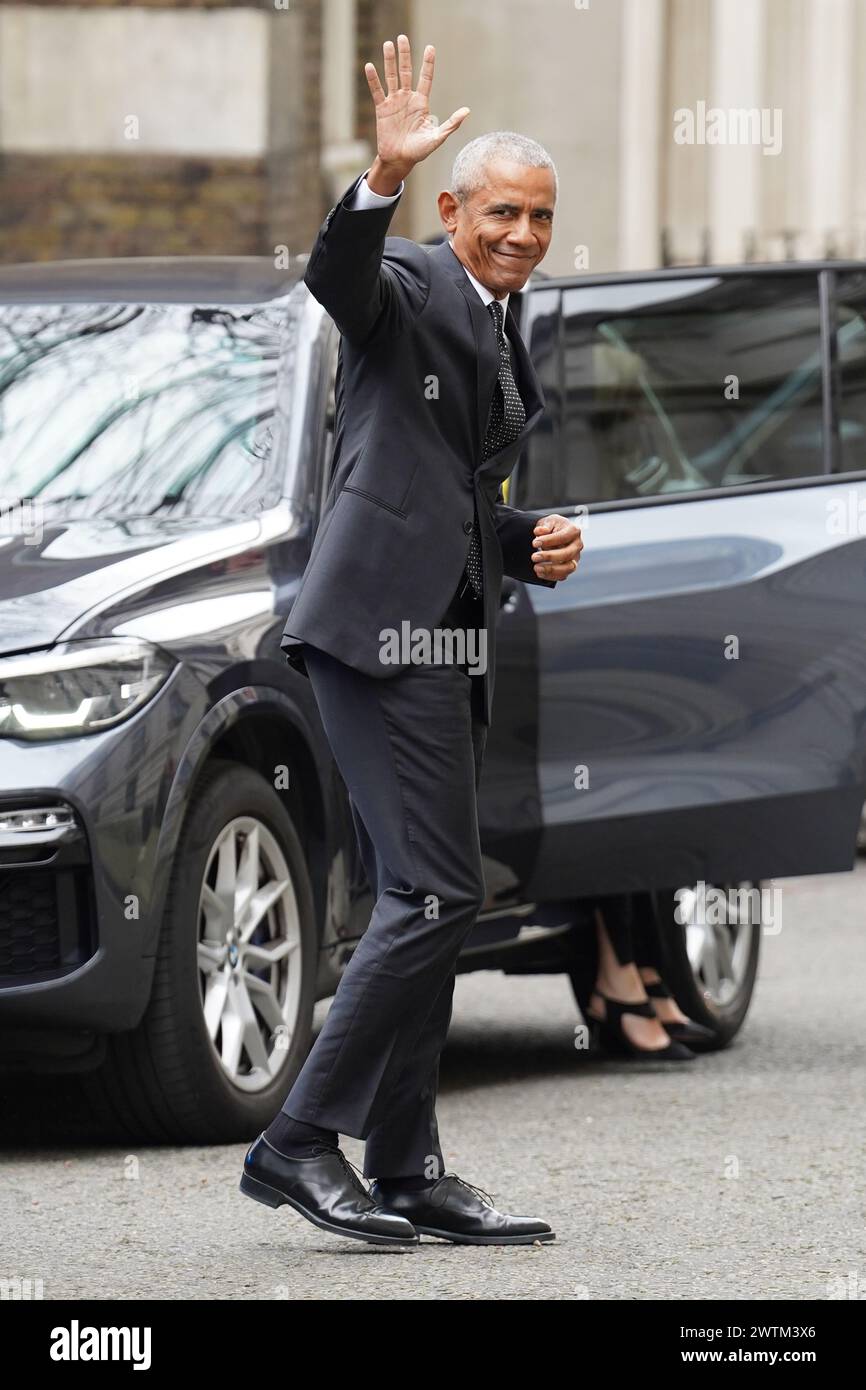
[{"x": 138, "y": 409}]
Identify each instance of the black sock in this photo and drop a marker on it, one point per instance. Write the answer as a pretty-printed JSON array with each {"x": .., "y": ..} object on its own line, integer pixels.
[
  {"x": 413, "y": 1182},
  {"x": 296, "y": 1139}
]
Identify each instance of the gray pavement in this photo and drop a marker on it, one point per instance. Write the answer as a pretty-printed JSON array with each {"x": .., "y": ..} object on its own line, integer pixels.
[{"x": 741, "y": 1175}]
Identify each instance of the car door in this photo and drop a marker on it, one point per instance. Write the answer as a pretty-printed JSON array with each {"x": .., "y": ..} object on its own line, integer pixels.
[
  {"x": 509, "y": 802},
  {"x": 701, "y": 679}
]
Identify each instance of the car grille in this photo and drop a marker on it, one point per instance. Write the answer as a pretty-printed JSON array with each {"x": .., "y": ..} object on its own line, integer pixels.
[
  {"x": 47, "y": 913},
  {"x": 29, "y": 929}
]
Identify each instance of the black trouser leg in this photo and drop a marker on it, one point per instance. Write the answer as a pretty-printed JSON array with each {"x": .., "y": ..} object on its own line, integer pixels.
[
  {"x": 408, "y": 750},
  {"x": 648, "y": 944},
  {"x": 406, "y": 1141}
]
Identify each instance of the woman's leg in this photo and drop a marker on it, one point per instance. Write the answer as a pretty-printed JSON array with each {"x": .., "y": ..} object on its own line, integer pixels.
[
  {"x": 618, "y": 975},
  {"x": 650, "y": 955}
]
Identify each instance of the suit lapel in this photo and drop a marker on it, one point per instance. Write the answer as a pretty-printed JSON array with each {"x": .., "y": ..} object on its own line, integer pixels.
[{"x": 487, "y": 355}]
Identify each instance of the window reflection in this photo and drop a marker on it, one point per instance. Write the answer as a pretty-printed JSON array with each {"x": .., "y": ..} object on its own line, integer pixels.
[
  {"x": 851, "y": 372},
  {"x": 682, "y": 385},
  {"x": 136, "y": 409}
]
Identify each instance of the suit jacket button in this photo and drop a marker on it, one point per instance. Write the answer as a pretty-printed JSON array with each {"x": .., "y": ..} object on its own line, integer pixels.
[{"x": 467, "y": 527}]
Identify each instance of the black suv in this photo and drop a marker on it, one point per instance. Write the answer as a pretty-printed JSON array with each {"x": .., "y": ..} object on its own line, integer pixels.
[{"x": 179, "y": 879}]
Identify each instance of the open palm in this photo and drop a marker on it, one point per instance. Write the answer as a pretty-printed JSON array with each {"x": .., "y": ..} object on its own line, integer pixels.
[{"x": 405, "y": 130}]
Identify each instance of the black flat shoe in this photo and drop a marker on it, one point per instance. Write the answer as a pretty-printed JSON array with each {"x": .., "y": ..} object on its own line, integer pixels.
[
  {"x": 609, "y": 1033},
  {"x": 690, "y": 1033},
  {"x": 326, "y": 1190},
  {"x": 455, "y": 1210}
]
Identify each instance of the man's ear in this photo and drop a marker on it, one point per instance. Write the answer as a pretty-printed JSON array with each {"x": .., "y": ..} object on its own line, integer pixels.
[{"x": 448, "y": 205}]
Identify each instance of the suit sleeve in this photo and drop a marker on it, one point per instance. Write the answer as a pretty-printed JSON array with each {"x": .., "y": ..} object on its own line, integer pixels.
[
  {"x": 516, "y": 532},
  {"x": 369, "y": 295}
]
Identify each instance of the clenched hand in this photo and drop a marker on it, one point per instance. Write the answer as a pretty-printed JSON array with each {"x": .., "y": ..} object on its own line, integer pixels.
[{"x": 557, "y": 547}]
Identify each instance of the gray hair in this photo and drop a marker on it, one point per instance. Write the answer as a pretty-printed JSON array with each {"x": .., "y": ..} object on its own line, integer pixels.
[{"x": 469, "y": 167}]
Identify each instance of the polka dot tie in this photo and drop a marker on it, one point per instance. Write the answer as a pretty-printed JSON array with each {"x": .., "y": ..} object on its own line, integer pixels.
[{"x": 506, "y": 420}]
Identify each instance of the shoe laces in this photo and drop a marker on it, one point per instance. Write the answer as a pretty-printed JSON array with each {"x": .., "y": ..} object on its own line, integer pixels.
[
  {"x": 479, "y": 1191},
  {"x": 355, "y": 1175}
]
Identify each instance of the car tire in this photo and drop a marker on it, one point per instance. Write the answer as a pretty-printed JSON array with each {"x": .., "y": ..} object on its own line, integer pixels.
[
  {"x": 167, "y": 1081},
  {"x": 711, "y": 969}
]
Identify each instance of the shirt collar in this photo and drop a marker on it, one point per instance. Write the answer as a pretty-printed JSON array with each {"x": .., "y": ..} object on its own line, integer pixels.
[{"x": 483, "y": 291}]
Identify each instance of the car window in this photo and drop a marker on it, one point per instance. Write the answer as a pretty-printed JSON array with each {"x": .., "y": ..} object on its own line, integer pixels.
[
  {"x": 537, "y": 475},
  {"x": 850, "y": 297},
  {"x": 140, "y": 409},
  {"x": 672, "y": 386}
]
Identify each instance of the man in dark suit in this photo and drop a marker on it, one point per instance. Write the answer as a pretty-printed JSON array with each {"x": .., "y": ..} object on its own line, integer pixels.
[{"x": 395, "y": 624}]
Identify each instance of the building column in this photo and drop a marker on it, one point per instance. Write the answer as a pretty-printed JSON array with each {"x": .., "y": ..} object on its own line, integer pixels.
[
  {"x": 641, "y": 133},
  {"x": 830, "y": 105},
  {"x": 737, "y": 78},
  {"x": 343, "y": 156}
]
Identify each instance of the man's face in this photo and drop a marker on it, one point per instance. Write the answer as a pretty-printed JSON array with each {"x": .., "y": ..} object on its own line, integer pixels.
[{"x": 503, "y": 229}]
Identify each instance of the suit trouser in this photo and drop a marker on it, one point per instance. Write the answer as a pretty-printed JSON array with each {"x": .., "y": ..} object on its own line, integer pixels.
[{"x": 409, "y": 748}]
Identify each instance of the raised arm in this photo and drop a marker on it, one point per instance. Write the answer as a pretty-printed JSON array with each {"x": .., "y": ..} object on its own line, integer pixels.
[{"x": 365, "y": 294}]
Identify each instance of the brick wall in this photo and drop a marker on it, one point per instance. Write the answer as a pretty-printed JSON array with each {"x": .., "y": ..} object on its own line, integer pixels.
[
  {"x": 56, "y": 208},
  {"x": 59, "y": 205}
]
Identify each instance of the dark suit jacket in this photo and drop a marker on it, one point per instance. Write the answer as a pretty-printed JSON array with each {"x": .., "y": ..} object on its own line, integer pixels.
[{"x": 417, "y": 367}]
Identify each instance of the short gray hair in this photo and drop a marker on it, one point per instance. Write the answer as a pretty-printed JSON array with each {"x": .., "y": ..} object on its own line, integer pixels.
[{"x": 467, "y": 172}]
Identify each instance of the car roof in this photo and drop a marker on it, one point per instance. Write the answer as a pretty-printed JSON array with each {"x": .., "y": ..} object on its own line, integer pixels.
[
  {"x": 255, "y": 279},
  {"x": 684, "y": 272},
  {"x": 150, "y": 279}
]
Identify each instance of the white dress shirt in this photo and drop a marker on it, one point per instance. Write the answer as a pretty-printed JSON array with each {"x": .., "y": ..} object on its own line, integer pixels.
[{"x": 364, "y": 197}]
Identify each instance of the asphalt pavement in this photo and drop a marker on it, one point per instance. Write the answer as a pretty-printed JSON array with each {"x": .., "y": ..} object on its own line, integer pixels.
[{"x": 738, "y": 1176}]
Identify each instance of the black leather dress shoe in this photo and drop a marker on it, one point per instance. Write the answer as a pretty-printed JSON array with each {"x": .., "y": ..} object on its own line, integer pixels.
[
  {"x": 326, "y": 1190},
  {"x": 455, "y": 1210}
]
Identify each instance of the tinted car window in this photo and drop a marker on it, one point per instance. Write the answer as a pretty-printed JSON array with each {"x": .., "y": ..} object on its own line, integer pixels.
[
  {"x": 138, "y": 409},
  {"x": 673, "y": 386},
  {"x": 538, "y": 472},
  {"x": 851, "y": 375}
]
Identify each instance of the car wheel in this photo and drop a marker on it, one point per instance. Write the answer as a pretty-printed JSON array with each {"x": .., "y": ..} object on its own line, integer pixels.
[
  {"x": 230, "y": 1016},
  {"x": 712, "y": 967}
]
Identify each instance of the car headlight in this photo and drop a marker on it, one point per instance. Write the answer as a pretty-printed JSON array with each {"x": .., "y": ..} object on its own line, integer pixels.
[{"x": 78, "y": 687}]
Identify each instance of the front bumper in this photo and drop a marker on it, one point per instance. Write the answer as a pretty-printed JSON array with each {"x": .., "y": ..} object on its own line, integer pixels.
[{"x": 82, "y": 890}]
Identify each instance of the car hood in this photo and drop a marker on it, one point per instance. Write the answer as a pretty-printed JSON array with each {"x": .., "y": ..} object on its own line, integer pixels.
[{"x": 51, "y": 579}]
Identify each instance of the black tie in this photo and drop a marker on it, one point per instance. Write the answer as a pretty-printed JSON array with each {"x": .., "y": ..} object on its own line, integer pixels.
[{"x": 507, "y": 418}]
